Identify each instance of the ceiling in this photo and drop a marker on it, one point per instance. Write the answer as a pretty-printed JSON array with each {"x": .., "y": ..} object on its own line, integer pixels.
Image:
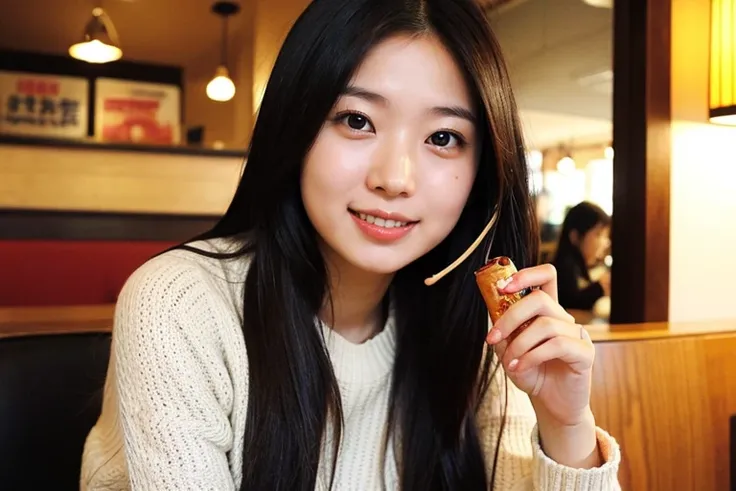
[
  {"x": 559, "y": 54},
  {"x": 172, "y": 32}
]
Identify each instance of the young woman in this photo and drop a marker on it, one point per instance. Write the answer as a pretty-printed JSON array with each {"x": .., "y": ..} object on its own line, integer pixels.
[
  {"x": 296, "y": 347},
  {"x": 583, "y": 242}
]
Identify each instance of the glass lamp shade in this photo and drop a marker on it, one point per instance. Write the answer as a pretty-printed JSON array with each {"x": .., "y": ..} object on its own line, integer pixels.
[
  {"x": 97, "y": 46},
  {"x": 221, "y": 88}
]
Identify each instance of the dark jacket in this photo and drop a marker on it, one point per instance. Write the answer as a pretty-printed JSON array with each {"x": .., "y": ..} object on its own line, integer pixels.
[{"x": 574, "y": 287}]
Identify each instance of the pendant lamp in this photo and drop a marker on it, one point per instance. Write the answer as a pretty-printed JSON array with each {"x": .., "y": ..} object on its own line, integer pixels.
[
  {"x": 100, "y": 42},
  {"x": 221, "y": 88},
  {"x": 723, "y": 62}
]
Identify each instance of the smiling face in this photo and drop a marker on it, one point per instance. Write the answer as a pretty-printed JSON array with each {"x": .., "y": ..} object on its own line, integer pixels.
[{"x": 392, "y": 167}]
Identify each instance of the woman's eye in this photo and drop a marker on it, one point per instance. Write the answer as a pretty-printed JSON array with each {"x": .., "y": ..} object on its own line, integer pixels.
[
  {"x": 444, "y": 139},
  {"x": 356, "y": 122}
]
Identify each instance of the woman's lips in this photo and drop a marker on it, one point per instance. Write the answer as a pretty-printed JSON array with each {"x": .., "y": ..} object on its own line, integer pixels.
[{"x": 382, "y": 228}]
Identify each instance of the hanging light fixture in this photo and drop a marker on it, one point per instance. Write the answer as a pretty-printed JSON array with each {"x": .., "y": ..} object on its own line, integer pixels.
[
  {"x": 100, "y": 43},
  {"x": 221, "y": 88},
  {"x": 723, "y": 62}
]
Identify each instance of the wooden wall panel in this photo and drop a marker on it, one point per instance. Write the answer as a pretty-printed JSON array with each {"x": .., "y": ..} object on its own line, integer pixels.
[
  {"x": 668, "y": 402},
  {"x": 98, "y": 180}
]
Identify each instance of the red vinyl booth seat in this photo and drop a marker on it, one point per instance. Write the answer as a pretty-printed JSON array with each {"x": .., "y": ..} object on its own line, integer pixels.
[{"x": 59, "y": 272}]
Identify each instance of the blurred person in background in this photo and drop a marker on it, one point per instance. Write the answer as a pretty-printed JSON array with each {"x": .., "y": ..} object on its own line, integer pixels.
[{"x": 584, "y": 243}]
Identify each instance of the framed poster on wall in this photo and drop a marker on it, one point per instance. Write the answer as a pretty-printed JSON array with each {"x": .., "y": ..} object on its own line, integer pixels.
[
  {"x": 53, "y": 106},
  {"x": 137, "y": 112}
]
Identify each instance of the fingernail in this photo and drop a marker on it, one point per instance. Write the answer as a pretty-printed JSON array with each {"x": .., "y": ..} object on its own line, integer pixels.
[
  {"x": 512, "y": 364},
  {"x": 494, "y": 336},
  {"x": 504, "y": 282}
]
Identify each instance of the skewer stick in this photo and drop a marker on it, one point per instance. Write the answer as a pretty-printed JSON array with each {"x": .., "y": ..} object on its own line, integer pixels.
[{"x": 437, "y": 277}]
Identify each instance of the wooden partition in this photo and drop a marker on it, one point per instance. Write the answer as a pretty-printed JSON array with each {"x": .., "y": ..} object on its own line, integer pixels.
[
  {"x": 668, "y": 399},
  {"x": 22, "y": 321},
  {"x": 640, "y": 230},
  {"x": 88, "y": 177}
]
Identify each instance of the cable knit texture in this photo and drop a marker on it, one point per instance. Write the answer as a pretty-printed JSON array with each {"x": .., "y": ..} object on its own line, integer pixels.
[{"x": 176, "y": 396}]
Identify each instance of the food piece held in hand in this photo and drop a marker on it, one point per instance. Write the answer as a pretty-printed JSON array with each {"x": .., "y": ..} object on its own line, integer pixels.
[{"x": 498, "y": 270}]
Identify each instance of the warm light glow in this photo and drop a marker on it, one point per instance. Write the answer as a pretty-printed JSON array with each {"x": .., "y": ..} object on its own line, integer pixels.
[
  {"x": 723, "y": 62},
  {"x": 728, "y": 119},
  {"x": 221, "y": 88},
  {"x": 607, "y": 4},
  {"x": 100, "y": 43},
  {"x": 608, "y": 153},
  {"x": 566, "y": 165},
  {"x": 95, "y": 51},
  {"x": 534, "y": 159},
  {"x": 599, "y": 183}
]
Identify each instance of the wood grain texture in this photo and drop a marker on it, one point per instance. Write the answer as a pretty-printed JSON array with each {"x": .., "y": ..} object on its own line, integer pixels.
[
  {"x": 91, "y": 144},
  {"x": 70, "y": 313},
  {"x": 658, "y": 330},
  {"x": 25, "y": 321},
  {"x": 668, "y": 402},
  {"x": 71, "y": 179},
  {"x": 641, "y": 170}
]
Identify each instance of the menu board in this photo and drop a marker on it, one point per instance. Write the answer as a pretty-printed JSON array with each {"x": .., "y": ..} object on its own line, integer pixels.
[
  {"x": 137, "y": 112},
  {"x": 43, "y": 105}
]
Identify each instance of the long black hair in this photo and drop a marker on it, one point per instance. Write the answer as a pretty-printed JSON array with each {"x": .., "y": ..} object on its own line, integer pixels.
[
  {"x": 293, "y": 393},
  {"x": 581, "y": 218}
]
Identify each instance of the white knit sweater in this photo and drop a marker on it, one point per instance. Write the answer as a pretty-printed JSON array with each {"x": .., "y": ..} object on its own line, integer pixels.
[{"x": 176, "y": 396}]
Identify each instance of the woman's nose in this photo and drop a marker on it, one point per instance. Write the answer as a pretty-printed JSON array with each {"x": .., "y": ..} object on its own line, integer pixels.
[{"x": 393, "y": 170}]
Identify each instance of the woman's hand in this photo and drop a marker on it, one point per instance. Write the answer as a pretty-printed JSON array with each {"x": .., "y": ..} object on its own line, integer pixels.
[{"x": 551, "y": 359}]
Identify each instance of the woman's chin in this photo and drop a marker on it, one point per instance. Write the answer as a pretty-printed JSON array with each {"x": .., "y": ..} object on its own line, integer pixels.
[
  {"x": 381, "y": 262},
  {"x": 379, "y": 267}
]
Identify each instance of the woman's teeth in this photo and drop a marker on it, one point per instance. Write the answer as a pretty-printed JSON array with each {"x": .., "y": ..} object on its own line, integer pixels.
[{"x": 381, "y": 222}]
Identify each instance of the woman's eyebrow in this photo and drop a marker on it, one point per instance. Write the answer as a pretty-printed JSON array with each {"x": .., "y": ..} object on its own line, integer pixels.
[
  {"x": 355, "y": 91},
  {"x": 376, "y": 98},
  {"x": 454, "y": 112}
]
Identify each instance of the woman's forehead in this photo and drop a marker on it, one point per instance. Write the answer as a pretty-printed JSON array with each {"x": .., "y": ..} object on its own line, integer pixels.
[{"x": 418, "y": 67}]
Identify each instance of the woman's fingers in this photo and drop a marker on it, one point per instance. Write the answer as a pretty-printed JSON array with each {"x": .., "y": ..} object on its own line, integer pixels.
[
  {"x": 538, "y": 303},
  {"x": 540, "y": 330},
  {"x": 577, "y": 353},
  {"x": 543, "y": 276}
]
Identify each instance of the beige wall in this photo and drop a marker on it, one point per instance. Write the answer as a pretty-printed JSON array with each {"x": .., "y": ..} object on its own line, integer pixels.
[
  {"x": 242, "y": 103},
  {"x": 703, "y": 185},
  {"x": 274, "y": 18}
]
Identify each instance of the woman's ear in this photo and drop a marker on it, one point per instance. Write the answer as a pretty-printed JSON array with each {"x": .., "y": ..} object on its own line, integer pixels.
[{"x": 574, "y": 238}]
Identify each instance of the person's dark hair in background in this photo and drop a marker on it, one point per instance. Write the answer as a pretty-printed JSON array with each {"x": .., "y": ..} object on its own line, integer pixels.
[{"x": 583, "y": 242}]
